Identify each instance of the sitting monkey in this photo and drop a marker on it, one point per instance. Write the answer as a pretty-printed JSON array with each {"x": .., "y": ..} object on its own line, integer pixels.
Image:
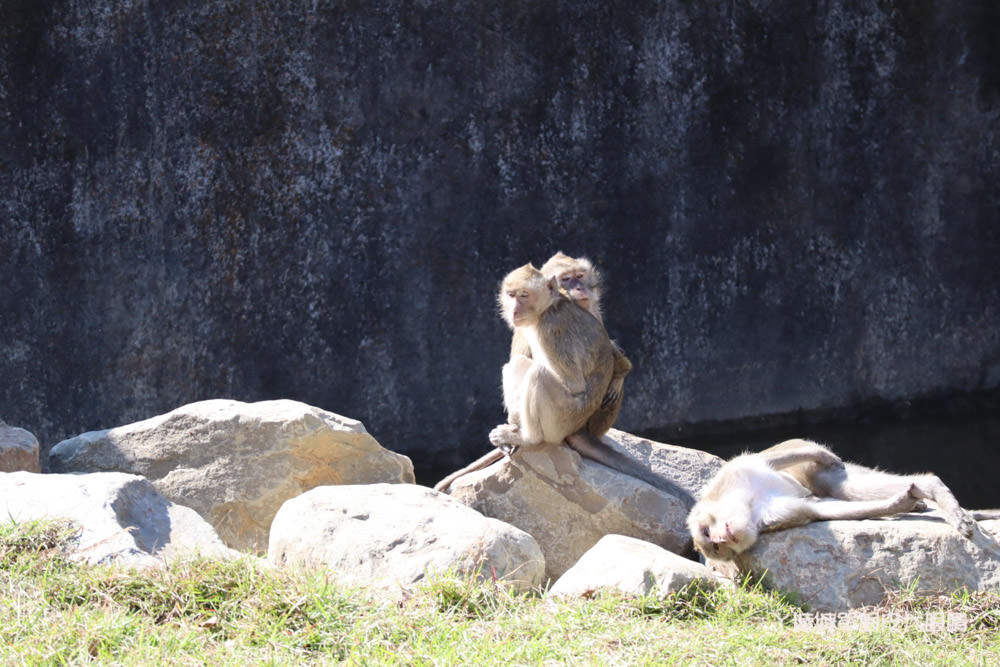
[
  {"x": 578, "y": 281},
  {"x": 797, "y": 482},
  {"x": 551, "y": 395}
]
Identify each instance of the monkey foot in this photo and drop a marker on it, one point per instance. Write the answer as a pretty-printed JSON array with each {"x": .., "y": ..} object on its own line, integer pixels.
[
  {"x": 505, "y": 437},
  {"x": 905, "y": 502},
  {"x": 963, "y": 523},
  {"x": 507, "y": 449}
]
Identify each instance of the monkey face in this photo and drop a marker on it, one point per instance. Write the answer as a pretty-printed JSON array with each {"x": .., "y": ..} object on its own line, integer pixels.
[
  {"x": 520, "y": 304},
  {"x": 578, "y": 279},
  {"x": 577, "y": 287},
  {"x": 720, "y": 535},
  {"x": 524, "y": 296}
]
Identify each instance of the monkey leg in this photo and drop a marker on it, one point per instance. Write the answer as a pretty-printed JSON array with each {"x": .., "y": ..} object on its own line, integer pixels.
[
  {"x": 932, "y": 488},
  {"x": 607, "y": 413},
  {"x": 857, "y": 482},
  {"x": 514, "y": 375},
  {"x": 487, "y": 459}
]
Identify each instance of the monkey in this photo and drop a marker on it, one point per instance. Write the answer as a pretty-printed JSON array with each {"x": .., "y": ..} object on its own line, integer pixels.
[
  {"x": 551, "y": 395},
  {"x": 799, "y": 481},
  {"x": 579, "y": 280},
  {"x": 554, "y": 391}
]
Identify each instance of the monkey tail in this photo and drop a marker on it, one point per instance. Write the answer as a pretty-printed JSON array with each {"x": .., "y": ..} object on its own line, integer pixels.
[
  {"x": 590, "y": 446},
  {"x": 487, "y": 459}
]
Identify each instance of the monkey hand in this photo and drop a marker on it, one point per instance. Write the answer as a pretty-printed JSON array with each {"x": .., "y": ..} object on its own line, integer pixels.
[{"x": 614, "y": 394}]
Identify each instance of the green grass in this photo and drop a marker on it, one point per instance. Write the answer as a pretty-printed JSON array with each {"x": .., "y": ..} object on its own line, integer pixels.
[{"x": 53, "y": 611}]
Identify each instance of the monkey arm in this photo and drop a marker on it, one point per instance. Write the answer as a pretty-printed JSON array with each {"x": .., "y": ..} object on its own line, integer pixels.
[
  {"x": 611, "y": 402},
  {"x": 614, "y": 393},
  {"x": 830, "y": 510},
  {"x": 794, "y": 452},
  {"x": 784, "y": 512}
]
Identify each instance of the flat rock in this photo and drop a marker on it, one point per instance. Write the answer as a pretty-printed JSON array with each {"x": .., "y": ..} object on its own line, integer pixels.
[
  {"x": 840, "y": 565},
  {"x": 568, "y": 503}
]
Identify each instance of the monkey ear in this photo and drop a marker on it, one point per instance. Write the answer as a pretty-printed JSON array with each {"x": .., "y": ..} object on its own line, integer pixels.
[{"x": 553, "y": 284}]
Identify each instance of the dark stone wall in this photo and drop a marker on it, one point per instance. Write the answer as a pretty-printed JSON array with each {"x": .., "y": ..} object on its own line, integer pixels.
[{"x": 796, "y": 207}]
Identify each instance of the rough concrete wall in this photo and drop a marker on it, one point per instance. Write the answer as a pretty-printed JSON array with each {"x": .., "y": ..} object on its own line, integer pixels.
[{"x": 796, "y": 207}]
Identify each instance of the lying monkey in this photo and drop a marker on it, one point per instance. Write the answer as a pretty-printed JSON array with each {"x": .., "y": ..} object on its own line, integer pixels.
[{"x": 797, "y": 482}]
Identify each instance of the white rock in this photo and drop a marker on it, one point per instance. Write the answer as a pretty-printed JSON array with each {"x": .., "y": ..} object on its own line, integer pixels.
[
  {"x": 236, "y": 463},
  {"x": 122, "y": 518},
  {"x": 392, "y": 536},
  {"x": 633, "y": 567}
]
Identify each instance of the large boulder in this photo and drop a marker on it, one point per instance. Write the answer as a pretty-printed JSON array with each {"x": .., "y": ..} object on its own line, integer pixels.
[
  {"x": 632, "y": 567},
  {"x": 568, "y": 503},
  {"x": 840, "y": 565},
  {"x": 392, "y": 536},
  {"x": 18, "y": 449},
  {"x": 122, "y": 519},
  {"x": 236, "y": 463}
]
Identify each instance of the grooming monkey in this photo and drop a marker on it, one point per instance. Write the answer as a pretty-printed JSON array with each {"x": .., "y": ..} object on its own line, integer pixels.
[
  {"x": 552, "y": 395},
  {"x": 579, "y": 280},
  {"x": 796, "y": 482},
  {"x": 552, "y": 392}
]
